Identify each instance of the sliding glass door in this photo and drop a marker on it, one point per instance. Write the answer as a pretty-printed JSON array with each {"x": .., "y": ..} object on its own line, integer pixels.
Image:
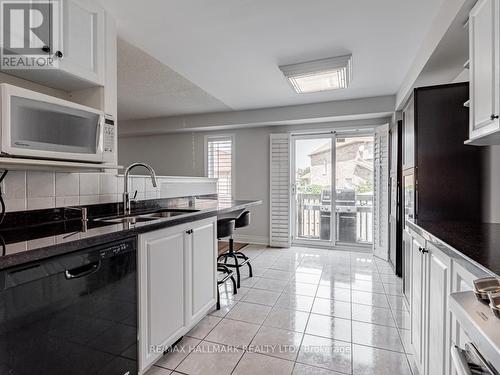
[
  {"x": 332, "y": 189},
  {"x": 312, "y": 188},
  {"x": 354, "y": 190}
]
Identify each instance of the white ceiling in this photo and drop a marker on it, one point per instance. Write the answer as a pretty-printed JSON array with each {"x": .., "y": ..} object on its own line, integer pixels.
[
  {"x": 147, "y": 88},
  {"x": 231, "y": 49}
]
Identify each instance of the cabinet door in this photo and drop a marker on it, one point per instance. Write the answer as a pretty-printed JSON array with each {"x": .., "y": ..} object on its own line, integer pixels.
[
  {"x": 407, "y": 270},
  {"x": 409, "y": 135},
  {"x": 417, "y": 302},
  {"x": 161, "y": 290},
  {"x": 83, "y": 41},
  {"x": 438, "y": 288},
  {"x": 203, "y": 271},
  {"x": 483, "y": 67}
]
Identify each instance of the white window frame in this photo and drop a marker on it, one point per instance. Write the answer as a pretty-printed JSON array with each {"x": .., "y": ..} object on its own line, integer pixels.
[
  {"x": 340, "y": 133},
  {"x": 209, "y": 137}
]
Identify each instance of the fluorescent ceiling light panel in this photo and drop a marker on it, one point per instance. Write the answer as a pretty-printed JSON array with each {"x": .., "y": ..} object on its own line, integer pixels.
[{"x": 319, "y": 75}]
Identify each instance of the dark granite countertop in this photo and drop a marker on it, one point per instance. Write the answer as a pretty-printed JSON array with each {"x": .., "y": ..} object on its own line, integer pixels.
[
  {"x": 27, "y": 240},
  {"x": 479, "y": 242}
]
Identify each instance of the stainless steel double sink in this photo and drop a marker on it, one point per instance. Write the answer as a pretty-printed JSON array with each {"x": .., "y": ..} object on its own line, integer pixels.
[{"x": 139, "y": 218}]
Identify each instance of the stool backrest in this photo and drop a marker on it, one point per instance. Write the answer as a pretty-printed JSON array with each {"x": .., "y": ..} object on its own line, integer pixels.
[
  {"x": 243, "y": 220},
  {"x": 225, "y": 227}
]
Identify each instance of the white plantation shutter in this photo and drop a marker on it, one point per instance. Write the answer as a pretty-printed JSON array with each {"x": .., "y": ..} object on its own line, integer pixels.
[
  {"x": 381, "y": 193},
  {"x": 279, "y": 190},
  {"x": 220, "y": 164}
]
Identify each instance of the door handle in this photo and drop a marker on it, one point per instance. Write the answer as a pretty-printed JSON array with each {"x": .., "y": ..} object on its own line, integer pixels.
[
  {"x": 82, "y": 271},
  {"x": 100, "y": 134}
]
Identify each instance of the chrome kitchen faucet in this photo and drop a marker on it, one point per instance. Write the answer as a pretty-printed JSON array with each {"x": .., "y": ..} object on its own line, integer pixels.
[{"x": 126, "y": 195}]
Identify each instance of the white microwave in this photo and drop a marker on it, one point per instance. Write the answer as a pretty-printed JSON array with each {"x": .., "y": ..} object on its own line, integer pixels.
[{"x": 39, "y": 126}]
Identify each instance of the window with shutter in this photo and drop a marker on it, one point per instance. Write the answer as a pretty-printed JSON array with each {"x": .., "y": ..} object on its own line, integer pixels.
[
  {"x": 280, "y": 190},
  {"x": 219, "y": 164},
  {"x": 381, "y": 193}
]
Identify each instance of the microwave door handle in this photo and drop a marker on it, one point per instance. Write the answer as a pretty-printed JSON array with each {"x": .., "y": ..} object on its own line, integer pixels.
[
  {"x": 459, "y": 361},
  {"x": 100, "y": 133}
]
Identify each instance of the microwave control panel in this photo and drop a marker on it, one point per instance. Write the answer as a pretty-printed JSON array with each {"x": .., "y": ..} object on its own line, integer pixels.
[{"x": 109, "y": 135}]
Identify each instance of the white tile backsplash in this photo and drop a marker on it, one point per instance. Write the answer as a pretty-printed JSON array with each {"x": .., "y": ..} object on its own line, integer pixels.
[
  {"x": 37, "y": 190},
  {"x": 41, "y": 242},
  {"x": 151, "y": 194},
  {"x": 16, "y": 247},
  {"x": 15, "y": 204},
  {"x": 88, "y": 199},
  {"x": 119, "y": 185},
  {"x": 67, "y": 201},
  {"x": 40, "y": 184},
  {"x": 138, "y": 184},
  {"x": 67, "y": 184},
  {"x": 39, "y": 203},
  {"x": 14, "y": 185},
  {"x": 107, "y": 184},
  {"x": 108, "y": 198},
  {"x": 89, "y": 184}
]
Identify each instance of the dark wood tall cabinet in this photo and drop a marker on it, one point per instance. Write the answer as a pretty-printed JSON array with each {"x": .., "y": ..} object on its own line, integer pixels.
[{"x": 441, "y": 175}]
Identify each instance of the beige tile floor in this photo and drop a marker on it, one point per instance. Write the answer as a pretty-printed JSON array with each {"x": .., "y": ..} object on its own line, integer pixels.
[{"x": 305, "y": 312}]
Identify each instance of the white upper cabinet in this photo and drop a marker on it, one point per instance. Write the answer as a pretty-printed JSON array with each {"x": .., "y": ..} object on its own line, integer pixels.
[
  {"x": 83, "y": 41},
  {"x": 484, "y": 50},
  {"x": 77, "y": 48}
]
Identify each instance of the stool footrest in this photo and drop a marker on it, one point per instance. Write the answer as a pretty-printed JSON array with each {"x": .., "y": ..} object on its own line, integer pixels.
[{"x": 240, "y": 264}]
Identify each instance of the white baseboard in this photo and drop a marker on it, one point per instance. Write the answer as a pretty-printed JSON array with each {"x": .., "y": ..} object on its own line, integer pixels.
[{"x": 256, "y": 240}]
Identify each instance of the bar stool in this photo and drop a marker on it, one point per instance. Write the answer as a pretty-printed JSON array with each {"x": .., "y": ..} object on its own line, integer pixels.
[
  {"x": 225, "y": 228},
  {"x": 239, "y": 258}
]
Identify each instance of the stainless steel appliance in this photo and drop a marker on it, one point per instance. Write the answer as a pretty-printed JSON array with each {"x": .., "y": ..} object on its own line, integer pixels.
[
  {"x": 346, "y": 215},
  {"x": 481, "y": 354},
  {"x": 409, "y": 195},
  {"x": 74, "y": 314},
  {"x": 39, "y": 126}
]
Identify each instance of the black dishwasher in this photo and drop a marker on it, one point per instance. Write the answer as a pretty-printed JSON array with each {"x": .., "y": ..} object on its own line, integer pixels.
[{"x": 72, "y": 314}]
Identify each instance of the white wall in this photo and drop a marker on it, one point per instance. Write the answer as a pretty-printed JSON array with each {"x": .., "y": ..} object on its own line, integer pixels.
[{"x": 182, "y": 154}]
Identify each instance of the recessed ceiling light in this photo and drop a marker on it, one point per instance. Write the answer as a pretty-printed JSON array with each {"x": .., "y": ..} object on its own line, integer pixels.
[{"x": 319, "y": 75}]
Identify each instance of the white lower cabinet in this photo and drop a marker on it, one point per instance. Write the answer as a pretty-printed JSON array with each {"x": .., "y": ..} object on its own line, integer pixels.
[
  {"x": 203, "y": 274},
  {"x": 418, "y": 302},
  {"x": 433, "y": 275},
  {"x": 407, "y": 275},
  {"x": 177, "y": 284},
  {"x": 429, "y": 307},
  {"x": 437, "y": 329}
]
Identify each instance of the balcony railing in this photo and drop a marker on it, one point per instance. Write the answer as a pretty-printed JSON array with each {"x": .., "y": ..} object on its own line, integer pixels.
[{"x": 309, "y": 218}]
